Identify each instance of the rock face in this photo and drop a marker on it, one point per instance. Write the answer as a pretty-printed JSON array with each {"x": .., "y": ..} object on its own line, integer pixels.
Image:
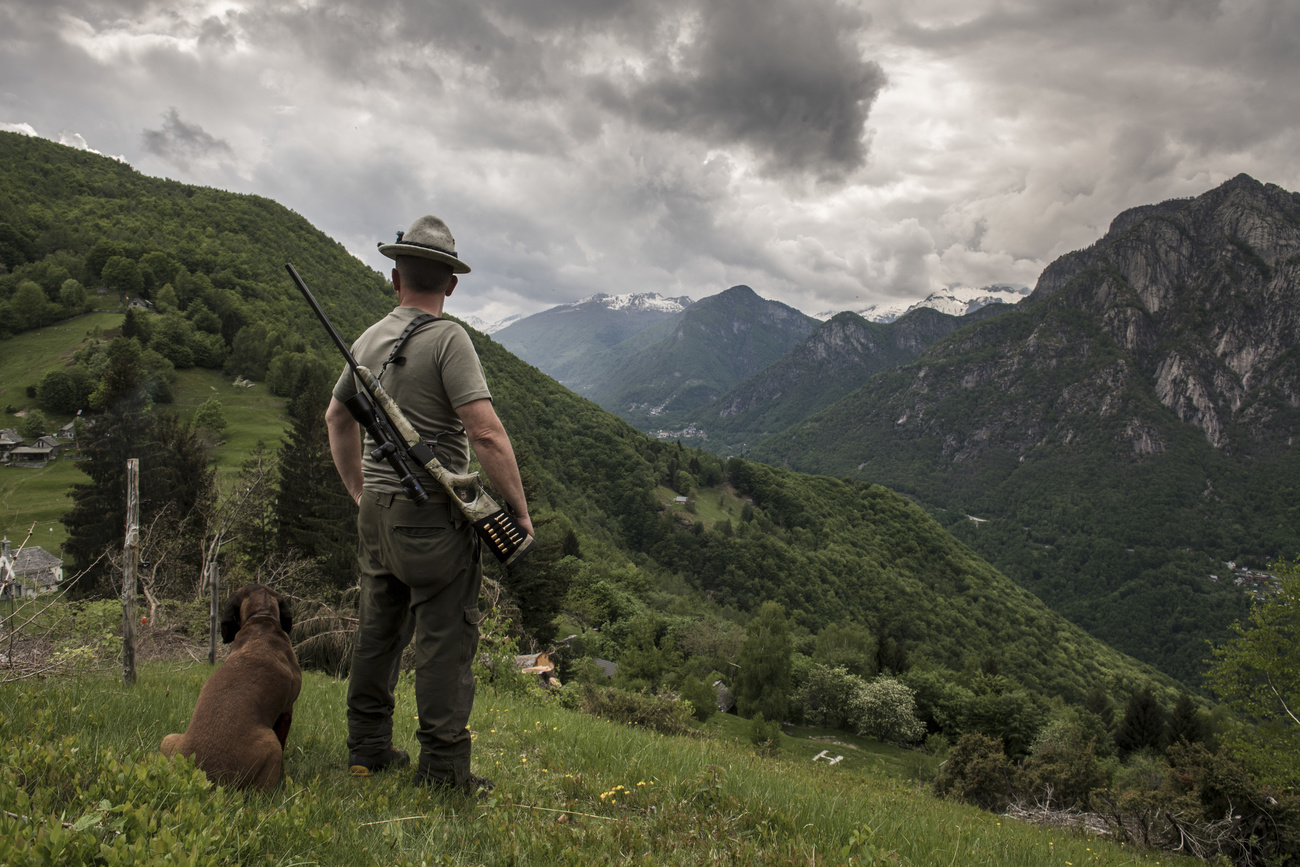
[
  {"x": 1194, "y": 302},
  {"x": 1202, "y": 296}
]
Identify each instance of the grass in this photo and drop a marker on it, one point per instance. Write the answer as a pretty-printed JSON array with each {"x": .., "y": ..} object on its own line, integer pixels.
[
  {"x": 252, "y": 414},
  {"x": 711, "y": 505},
  {"x": 570, "y": 789},
  {"x": 40, "y": 496}
]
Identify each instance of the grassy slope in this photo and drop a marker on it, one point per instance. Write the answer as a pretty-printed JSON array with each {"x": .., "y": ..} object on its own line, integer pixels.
[
  {"x": 558, "y": 797},
  {"x": 41, "y": 496}
]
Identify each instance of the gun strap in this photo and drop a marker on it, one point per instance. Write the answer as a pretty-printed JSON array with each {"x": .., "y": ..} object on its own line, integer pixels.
[
  {"x": 411, "y": 327},
  {"x": 414, "y": 325}
]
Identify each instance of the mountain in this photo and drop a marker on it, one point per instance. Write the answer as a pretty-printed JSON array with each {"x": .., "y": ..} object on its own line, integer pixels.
[
  {"x": 564, "y": 340},
  {"x": 1122, "y": 433},
  {"x": 835, "y": 360},
  {"x": 955, "y": 301},
  {"x": 480, "y": 324},
  {"x": 670, "y": 369}
]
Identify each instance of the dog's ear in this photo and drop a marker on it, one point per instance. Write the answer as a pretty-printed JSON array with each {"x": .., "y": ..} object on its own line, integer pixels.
[
  {"x": 286, "y": 616},
  {"x": 230, "y": 621}
]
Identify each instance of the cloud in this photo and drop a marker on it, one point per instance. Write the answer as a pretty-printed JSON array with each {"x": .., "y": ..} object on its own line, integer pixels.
[
  {"x": 786, "y": 81},
  {"x": 181, "y": 143},
  {"x": 828, "y": 154}
]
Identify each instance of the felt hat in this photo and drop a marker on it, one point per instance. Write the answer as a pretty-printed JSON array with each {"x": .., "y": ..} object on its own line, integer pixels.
[{"x": 428, "y": 238}]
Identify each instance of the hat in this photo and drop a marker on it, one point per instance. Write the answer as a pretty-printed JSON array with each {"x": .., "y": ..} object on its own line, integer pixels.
[{"x": 428, "y": 238}]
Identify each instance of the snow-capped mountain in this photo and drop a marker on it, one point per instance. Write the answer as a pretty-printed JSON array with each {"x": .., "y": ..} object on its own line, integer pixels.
[
  {"x": 955, "y": 301},
  {"x": 480, "y": 324},
  {"x": 636, "y": 302}
]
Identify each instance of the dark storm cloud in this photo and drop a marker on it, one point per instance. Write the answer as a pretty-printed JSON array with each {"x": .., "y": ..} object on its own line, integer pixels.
[
  {"x": 180, "y": 142},
  {"x": 785, "y": 80}
]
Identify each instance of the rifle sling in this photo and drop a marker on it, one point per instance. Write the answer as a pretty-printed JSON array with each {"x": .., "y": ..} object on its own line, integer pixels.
[{"x": 422, "y": 451}]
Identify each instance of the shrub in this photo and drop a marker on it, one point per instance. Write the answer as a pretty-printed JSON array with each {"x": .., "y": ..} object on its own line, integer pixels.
[
  {"x": 885, "y": 709},
  {"x": 765, "y": 735},
  {"x": 978, "y": 772},
  {"x": 826, "y": 698},
  {"x": 1062, "y": 769},
  {"x": 642, "y": 709}
]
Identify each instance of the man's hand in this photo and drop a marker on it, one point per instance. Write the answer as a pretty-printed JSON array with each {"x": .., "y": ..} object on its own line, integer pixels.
[
  {"x": 496, "y": 456},
  {"x": 345, "y": 447}
]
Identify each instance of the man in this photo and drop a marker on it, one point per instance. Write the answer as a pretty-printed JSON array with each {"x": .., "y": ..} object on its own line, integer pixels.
[{"x": 420, "y": 566}]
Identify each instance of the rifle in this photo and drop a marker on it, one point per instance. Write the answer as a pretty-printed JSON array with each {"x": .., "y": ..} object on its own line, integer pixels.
[{"x": 396, "y": 441}]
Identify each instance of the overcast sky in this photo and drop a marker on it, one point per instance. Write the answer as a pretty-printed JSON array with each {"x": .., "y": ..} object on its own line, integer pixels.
[{"x": 829, "y": 155}]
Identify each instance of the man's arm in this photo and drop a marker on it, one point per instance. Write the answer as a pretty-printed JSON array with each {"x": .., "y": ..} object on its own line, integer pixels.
[
  {"x": 345, "y": 447},
  {"x": 492, "y": 447}
]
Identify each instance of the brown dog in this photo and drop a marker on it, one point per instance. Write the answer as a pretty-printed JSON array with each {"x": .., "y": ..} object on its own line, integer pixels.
[{"x": 241, "y": 720}]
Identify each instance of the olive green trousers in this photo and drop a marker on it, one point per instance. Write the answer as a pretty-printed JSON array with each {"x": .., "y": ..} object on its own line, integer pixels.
[{"x": 420, "y": 576}]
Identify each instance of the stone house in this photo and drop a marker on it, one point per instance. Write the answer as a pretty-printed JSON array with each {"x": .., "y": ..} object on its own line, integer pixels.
[{"x": 28, "y": 572}]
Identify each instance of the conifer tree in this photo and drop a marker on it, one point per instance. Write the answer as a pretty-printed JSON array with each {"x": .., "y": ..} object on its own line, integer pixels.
[
  {"x": 174, "y": 471},
  {"x": 764, "y": 682},
  {"x": 314, "y": 514},
  {"x": 1143, "y": 725},
  {"x": 1186, "y": 722}
]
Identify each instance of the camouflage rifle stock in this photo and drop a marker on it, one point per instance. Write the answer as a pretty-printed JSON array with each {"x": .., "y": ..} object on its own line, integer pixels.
[{"x": 395, "y": 437}]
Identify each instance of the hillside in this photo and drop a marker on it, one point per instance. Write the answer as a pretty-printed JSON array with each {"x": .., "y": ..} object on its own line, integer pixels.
[
  {"x": 828, "y": 550},
  {"x": 570, "y": 789},
  {"x": 832, "y": 362},
  {"x": 65, "y": 213},
  {"x": 1123, "y": 433}
]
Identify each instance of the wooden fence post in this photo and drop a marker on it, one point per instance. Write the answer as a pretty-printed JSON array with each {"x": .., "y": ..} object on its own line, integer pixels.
[
  {"x": 214, "y": 582},
  {"x": 130, "y": 561}
]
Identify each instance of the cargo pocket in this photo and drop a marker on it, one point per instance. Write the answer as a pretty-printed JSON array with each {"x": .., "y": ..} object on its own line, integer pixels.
[{"x": 469, "y": 646}]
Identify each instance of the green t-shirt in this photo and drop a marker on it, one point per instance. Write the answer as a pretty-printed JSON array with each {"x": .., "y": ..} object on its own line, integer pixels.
[{"x": 441, "y": 372}]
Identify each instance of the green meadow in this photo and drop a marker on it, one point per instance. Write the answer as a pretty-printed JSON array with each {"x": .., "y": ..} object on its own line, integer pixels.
[
  {"x": 39, "y": 497},
  {"x": 81, "y": 781}
]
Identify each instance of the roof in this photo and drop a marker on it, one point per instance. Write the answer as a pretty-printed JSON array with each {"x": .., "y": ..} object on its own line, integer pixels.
[{"x": 31, "y": 452}]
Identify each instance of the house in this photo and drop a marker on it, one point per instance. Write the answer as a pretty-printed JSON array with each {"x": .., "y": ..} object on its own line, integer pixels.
[
  {"x": 9, "y": 440},
  {"x": 140, "y": 304},
  {"x": 28, "y": 572},
  {"x": 38, "y": 453}
]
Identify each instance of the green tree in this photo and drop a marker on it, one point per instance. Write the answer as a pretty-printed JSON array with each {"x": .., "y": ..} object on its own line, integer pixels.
[
  {"x": 825, "y": 699},
  {"x": 29, "y": 308},
  {"x": 122, "y": 275},
  {"x": 64, "y": 390},
  {"x": 885, "y": 709},
  {"x": 648, "y": 655},
  {"x": 136, "y": 324},
  {"x": 1258, "y": 673},
  {"x": 1187, "y": 722},
  {"x": 73, "y": 296},
  {"x": 314, "y": 514},
  {"x": 99, "y": 254},
  {"x": 764, "y": 681},
  {"x": 34, "y": 425},
  {"x": 175, "y": 481},
  {"x": 1143, "y": 724},
  {"x": 849, "y": 645},
  {"x": 211, "y": 416}
]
